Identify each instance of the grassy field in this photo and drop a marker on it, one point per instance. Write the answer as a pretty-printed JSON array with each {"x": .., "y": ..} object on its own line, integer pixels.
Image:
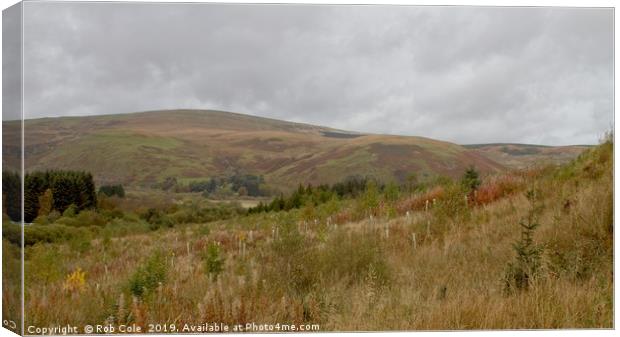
[{"x": 428, "y": 260}]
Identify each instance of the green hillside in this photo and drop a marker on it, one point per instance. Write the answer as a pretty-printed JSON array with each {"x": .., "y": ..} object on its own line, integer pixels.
[{"x": 143, "y": 149}]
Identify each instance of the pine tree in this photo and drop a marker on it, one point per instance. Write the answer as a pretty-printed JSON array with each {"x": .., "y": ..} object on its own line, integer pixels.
[
  {"x": 11, "y": 193},
  {"x": 471, "y": 180},
  {"x": 528, "y": 255}
]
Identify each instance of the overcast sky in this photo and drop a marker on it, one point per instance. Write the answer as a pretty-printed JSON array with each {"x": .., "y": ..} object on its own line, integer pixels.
[{"x": 462, "y": 74}]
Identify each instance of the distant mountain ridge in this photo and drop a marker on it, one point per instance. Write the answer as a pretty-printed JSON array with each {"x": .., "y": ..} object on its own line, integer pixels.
[{"x": 141, "y": 149}]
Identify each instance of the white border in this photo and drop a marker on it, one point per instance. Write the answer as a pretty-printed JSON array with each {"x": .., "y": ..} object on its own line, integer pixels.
[{"x": 593, "y": 3}]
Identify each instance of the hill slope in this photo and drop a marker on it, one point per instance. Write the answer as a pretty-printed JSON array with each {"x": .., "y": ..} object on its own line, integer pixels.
[
  {"x": 141, "y": 149},
  {"x": 523, "y": 155}
]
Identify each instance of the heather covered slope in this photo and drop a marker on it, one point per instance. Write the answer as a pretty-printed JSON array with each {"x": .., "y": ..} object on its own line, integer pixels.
[{"x": 142, "y": 149}]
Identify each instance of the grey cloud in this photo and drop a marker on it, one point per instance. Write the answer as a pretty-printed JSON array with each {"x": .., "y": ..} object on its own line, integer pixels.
[{"x": 462, "y": 74}]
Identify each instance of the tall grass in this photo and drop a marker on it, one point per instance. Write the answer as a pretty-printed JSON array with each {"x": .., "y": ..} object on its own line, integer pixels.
[{"x": 357, "y": 276}]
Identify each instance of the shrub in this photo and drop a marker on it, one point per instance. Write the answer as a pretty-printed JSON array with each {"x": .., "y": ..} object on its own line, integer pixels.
[
  {"x": 471, "y": 180},
  {"x": 213, "y": 261},
  {"x": 49, "y": 233},
  {"x": 75, "y": 282},
  {"x": 42, "y": 264},
  {"x": 12, "y": 232},
  {"x": 528, "y": 255},
  {"x": 419, "y": 201},
  {"x": 80, "y": 243},
  {"x": 41, "y": 220},
  {"x": 157, "y": 219},
  {"x": 354, "y": 258},
  {"x": 53, "y": 216},
  {"x": 68, "y": 221},
  {"x": 369, "y": 201},
  {"x": 70, "y": 211},
  {"x": 452, "y": 202},
  {"x": 150, "y": 275},
  {"x": 497, "y": 188},
  {"x": 90, "y": 218},
  {"x": 108, "y": 203},
  {"x": 295, "y": 266}
]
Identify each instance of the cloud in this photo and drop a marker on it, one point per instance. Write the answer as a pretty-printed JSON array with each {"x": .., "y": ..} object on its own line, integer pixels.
[{"x": 462, "y": 74}]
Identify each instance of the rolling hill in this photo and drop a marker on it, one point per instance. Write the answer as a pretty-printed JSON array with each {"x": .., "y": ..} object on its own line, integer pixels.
[
  {"x": 141, "y": 149},
  {"x": 523, "y": 155}
]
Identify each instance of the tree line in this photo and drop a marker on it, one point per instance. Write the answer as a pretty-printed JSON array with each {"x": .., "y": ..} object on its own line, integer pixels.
[
  {"x": 239, "y": 184},
  {"x": 45, "y": 191},
  {"x": 351, "y": 187}
]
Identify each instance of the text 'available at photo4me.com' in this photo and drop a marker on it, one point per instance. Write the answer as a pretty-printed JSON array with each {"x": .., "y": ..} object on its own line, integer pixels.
[{"x": 250, "y": 327}]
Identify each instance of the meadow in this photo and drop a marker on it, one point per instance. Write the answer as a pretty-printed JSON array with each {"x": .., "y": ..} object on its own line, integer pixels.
[{"x": 524, "y": 249}]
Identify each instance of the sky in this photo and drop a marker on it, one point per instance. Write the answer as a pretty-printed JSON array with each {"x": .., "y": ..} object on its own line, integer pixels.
[{"x": 460, "y": 74}]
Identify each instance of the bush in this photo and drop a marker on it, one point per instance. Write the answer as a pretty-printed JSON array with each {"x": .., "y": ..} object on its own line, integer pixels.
[
  {"x": 49, "y": 233},
  {"x": 70, "y": 211},
  {"x": 90, "y": 218},
  {"x": 418, "y": 202},
  {"x": 42, "y": 264},
  {"x": 452, "y": 203},
  {"x": 157, "y": 219},
  {"x": 353, "y": 258},
  {"x": 471, "y": 179},
  {"x": 301, "y": 264},
  {"x": 528, "y": 255},
  {"x": 368, "y": 202},
  {"x": 213, "y": 261},
  {"x": 150, "y": 275},
  {"x": 12, "y": 232},
  {"x": 497, "y": 188},
  {"x": 81, "y": 243}
]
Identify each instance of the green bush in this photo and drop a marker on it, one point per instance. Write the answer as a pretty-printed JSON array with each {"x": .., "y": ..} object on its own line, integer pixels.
[
  {"x": 90, "y": 218},
  {"x": 301, "y": 264},
  {"x": 80, "y": 243},
  {"x": 70, "y": 211},
  {"x": 213, "y": 261},
  {"x": 452, "y": 203},
  {"x": 69, "y": 221},
  {"x": 42, "y": 264},
  {"x": 368, "y": 202},
  {"x": 157, "y": 219},
  {"x": 12, "y": 233},
  {"x": 471, "y": 179},
  {"x": 353, "y": 258},
  {"x": 519, "y": 273},
  {"x": 150, "y": 275},
  {"x": 49, "y": 233}
]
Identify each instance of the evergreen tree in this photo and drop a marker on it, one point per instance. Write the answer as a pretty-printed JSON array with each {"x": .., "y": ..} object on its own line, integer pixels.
[
  {"x": 528, "y": 254},
  {"x": 11, "y": 193},
  {"x": 471, "y": 180}
]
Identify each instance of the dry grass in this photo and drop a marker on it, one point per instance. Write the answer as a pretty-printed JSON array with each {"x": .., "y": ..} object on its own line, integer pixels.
[{"x": 366, "y": 275}]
